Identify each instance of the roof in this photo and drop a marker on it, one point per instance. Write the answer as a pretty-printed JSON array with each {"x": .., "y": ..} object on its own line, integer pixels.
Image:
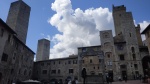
[
  {"x": 23, "y": 43},
  {"x": 65, "y": 58},
  {"x": 90, "y": 46},
  {"x": 7, "y": 27},
  {"x": 146, "y": 29}
]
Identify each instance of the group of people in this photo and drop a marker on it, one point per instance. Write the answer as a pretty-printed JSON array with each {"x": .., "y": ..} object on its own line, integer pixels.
[{"x": 124, "y": 78}]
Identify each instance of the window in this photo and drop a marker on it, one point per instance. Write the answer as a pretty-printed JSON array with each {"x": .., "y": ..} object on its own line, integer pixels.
[
  {"x": 120, "y": 47},
  {"x": 25, "y": 72},
  {"x": 12, "y": 70},
  {"x": 148, "y": 35},
  {"x": 100, "y": 60},
  {"x": 130, "y": 34},
  {"x": 107, "y": 44},
  {"x": 14, "y": 56},
  {"x": 29, "y": 72},
  {"x": 19, "y": 71},
  {"x": 92, "y": 73},
  {"x": 105, "y": 35},
  {"x": 120, "y": 15},
  {"x": 42, "y": 64},
  {"x": 84, "y": 49},
  {"x": 97, "y": 67},
  {"x": 134, "y": 56},
  {"x": 90, "y": 60},
  {"x": 108, "y": 55},
  {"x": 48, "y": 63},
  {"x": 9, "y": 36},
  {"x": 2, "y": 32},
  {"x": 74, "y": 61},
  {"x": 53, "y": 72},
  {"x": 121, "y": 57},
  {"x": 123, "y": 66},
  {"x": 109, "y": 63},
  {"x": 4, "y": 57},
  {"x": 69, "y": 62},
  {"x": 82, "y": 61},
  {"x": 58, "y": 71},
  {"x": 59, "y": 62},
  {"x": 70, "y": 71},
  {"x": 16, "y": 45},
  {"x": 44, "y": 72},
  {"x": 132, "y": 49},
  {"x": 54, "y": 62},
  {"x": 135, "y": 66},
  {"x": 93, "y": 67}
]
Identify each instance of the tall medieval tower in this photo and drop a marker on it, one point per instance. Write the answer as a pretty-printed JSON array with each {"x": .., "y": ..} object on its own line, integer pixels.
[
  {"x": 18, "y": 19},
  {"x": 130, "y": 61},
  {"x": 43, "y": 50}
]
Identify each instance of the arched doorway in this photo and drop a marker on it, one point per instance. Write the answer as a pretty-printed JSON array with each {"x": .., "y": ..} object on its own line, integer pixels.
[{"x": 146, "y": 65}]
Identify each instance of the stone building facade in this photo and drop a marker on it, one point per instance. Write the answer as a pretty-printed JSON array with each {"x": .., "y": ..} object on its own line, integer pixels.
[
  {"x": 16, "y": 59},
  {"x": 118, "y": 56},
  {"x": 55, "y": 69}
]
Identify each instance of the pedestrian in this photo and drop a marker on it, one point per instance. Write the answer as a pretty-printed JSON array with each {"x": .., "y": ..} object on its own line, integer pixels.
[
  {"x": 125, "y": 78},
  {"x": 73, "y": 82},
  {"x": 119, "y": 78},
  {"x": 69, "y": 82},
  {"x": 107, "y": 79},
  {"x": 110, "y": 80},
  {"x": 140, "y": 77}
]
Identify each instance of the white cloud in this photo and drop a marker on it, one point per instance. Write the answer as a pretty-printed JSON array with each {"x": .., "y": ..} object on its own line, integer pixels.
[
  {"x": 78, "y": 27},
  {"x": 143, "y": 25},
  {"x": 45, "y": 36}
]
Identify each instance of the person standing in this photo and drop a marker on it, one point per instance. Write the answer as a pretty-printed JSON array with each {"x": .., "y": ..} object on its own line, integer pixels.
[{"x": 125, "y": 78}]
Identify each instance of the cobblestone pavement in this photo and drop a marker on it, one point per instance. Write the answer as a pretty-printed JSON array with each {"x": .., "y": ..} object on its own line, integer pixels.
[{"x": 130, "y": 82}]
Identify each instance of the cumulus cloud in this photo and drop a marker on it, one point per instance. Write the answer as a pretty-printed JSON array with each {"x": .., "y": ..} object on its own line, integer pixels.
[{"x": 78, "y": 27}]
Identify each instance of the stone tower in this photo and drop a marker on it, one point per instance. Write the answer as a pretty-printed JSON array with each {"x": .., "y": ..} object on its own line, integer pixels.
[
  {"x": 107, "y": 44},
  {"x": 18, "y": 19},
  {"x": 43, "y": 50},
  {"x": 130, "y": 61},
  {"x": 139, "y": 38}
]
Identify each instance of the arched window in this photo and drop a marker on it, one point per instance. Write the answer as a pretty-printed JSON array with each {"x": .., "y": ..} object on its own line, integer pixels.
[
  {"x": 107, "y": 45},
  {"x": 108, "y": 54},
  {"x": 105, "y": 35},
  {"x": 134, "y": 56}
]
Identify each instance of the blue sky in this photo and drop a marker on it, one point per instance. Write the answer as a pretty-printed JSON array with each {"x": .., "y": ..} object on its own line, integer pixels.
[{"x": 76, "y": 23}]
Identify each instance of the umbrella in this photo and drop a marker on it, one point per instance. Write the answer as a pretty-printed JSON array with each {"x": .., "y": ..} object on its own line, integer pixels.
[{"x": 31, "y": 81}]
